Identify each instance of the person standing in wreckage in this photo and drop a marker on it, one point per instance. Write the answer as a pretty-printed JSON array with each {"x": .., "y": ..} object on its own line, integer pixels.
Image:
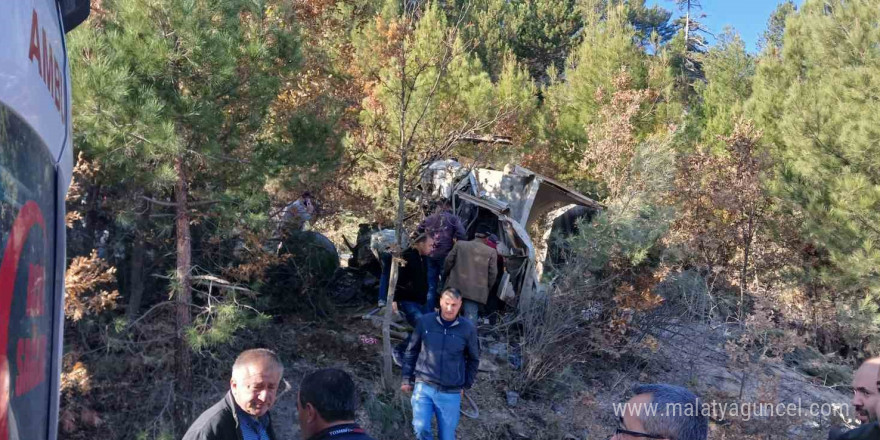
[
  {"x": 472, "y": 268},
  {"x": 444, "y": 228},
  {"x": 412, "y": 287}
]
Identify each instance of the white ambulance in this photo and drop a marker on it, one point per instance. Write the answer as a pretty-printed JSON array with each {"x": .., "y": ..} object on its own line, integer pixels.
[{"x": 36, "y": 160}]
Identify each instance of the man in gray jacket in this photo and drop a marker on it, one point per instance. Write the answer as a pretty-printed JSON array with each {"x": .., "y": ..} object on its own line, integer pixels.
[{"x": 243, "y": 414}]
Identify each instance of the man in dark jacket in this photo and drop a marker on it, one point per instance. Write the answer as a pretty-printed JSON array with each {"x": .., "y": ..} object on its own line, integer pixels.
[
  {"x": 866, "y": 401},
  {"x": 412, "y": 287},
  {"x": 442, "y": 359},
  {"x": 868, "y": 431},
  {"x": 444, "y": 228},
  {"x": 411, "y": 291},
  {"x": 326, "y": 405},
  {"x": 243, "y": 414}
]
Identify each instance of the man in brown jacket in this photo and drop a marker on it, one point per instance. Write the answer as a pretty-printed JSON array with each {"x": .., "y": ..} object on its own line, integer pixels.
[{"x": 471, "y": 267}]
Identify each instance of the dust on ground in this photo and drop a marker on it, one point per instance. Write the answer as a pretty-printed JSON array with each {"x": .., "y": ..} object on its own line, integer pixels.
[{"x": 578, "y": 406}]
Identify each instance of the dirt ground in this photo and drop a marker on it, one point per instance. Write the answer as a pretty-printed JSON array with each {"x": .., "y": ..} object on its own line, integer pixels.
[{"x": 579, "y": 406}]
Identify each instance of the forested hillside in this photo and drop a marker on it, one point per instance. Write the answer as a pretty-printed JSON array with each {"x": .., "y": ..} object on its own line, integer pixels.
[{"x": 741, "y": 193}]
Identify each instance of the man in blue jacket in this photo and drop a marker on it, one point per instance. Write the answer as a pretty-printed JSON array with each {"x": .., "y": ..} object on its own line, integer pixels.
[{"x": 441, "y": 360}]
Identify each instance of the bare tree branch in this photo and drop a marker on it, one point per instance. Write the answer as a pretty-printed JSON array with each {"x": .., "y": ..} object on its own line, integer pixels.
[{"x": 172, "y": 204}]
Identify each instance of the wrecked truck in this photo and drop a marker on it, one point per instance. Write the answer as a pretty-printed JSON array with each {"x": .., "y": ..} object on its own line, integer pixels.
[{"x": 511, "y": 203}]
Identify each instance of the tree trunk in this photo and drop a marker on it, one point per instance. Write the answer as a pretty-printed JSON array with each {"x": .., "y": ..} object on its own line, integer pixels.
[
  {"x": 136, "y": 279},
  {"x": 387, "y": 372},
  {"x": 392, "y": 285},
  {"x": 183, "y": 356},
  {"x": 403, "y": 150},
  {"x": 747, "y": 250},
  {"x": 687, "y": 27}
]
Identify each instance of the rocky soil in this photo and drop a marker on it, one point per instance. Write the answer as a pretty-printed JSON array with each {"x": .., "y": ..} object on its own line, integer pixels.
[{"x": 578, "y": 406}]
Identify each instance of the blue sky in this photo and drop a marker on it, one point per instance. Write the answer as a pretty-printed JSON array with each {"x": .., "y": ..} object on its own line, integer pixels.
[{"x": 748, "y": 17}]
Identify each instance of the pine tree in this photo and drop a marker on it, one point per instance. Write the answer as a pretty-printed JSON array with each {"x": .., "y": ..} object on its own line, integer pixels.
[
  {"x": 446, "y": 93},
  {"x": 172, "y": 96},
  {"x": 428, "y": 92},
  {"x": 692, "y": 45},
  {"x": 651, "y": 21},
  {"x": 772, "y": 37},
  {"x": 608, "y": 46},
  {"x": 691, "y": 24},
  {"x": 539, "y": 33},
  {"x": 817, "y": 104},
  {"x": 489, "y": 28},
  {"x": 546, "y": 31},
  {"x": 729, "y": 71}
]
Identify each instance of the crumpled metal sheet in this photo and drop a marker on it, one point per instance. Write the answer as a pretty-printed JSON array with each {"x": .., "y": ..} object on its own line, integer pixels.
[
  {"x": 517, "y": 196},
  {"x": 442, "y": 177}
]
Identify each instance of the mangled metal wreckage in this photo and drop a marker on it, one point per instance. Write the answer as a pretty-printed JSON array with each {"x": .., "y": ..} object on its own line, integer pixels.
[{"x": 510, "y": 202}]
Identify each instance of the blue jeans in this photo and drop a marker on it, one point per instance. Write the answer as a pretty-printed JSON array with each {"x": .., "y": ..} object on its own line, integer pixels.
[
  {"x": 435, "y": 281},
  {"x": 385, "y": 278},
  {"x": 411, "y": 311},
  {"x": 427, "y": 401}
]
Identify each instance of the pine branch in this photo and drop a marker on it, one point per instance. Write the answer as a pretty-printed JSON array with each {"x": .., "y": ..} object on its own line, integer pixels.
[{"x": 172, "y": 204}]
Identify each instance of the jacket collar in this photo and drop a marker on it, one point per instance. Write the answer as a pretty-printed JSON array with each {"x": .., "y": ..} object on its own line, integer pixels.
[
  {"x": 234, "y": 409},
  {"x": 440, "y": 320},
  {"x": 337, "y": 430}
]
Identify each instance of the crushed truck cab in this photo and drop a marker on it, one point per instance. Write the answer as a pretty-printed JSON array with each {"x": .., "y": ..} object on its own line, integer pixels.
[{"x": 510, "y": 202}]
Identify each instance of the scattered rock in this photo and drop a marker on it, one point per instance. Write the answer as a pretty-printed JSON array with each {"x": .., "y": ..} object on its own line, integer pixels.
[
  {"x": 516, "y": 432},
  {"x": 487, "y": 365},
  {"x": 498, "y": 349},
  {"x": 557, "y": 408},
  {"x": 512, "y": 398},
  {"x": 804, "y": 430}
]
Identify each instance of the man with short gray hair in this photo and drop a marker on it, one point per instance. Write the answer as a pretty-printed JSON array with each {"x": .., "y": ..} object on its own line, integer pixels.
[
  {"x": 660, "y": 411},
  {"x": 243, "y": 414},
  {"x": 440, "y": 362}
]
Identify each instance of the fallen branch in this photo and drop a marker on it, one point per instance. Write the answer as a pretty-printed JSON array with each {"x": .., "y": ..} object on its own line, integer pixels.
[
  {"x": 210, "y": 280},
  {"x": 377, "y": 320}
]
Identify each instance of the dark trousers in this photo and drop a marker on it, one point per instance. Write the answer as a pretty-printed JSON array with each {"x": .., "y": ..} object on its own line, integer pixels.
[
  {"x": 412, "y": 311},
  {"x": 385, "y": 278},
  {"x": 435, "y": 281}
]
